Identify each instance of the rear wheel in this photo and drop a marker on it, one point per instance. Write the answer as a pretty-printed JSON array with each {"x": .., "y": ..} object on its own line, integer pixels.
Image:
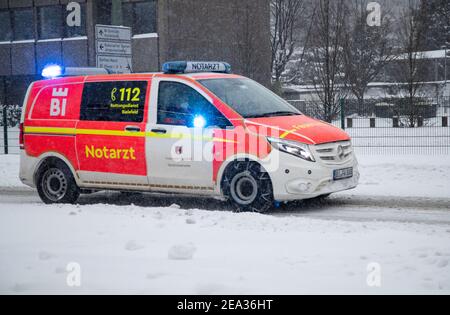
[
  {"x": 55, "y": 183},
  {"x": 248, "y": 187}
]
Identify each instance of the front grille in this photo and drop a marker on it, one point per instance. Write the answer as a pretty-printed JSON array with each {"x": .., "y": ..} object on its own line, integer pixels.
[{"x": 334, "y": 153}]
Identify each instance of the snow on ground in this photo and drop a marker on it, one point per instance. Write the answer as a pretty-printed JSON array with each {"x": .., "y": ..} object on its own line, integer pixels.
[
  {"x": 170, "y": 250},
  {"x": 9, "y": 172},
  {"x": 132, "y": 249},
  {"x": 404, "y": 176},
  {"x": 13, "y": 140}
]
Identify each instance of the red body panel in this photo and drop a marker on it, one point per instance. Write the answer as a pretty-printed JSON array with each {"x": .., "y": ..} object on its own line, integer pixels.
[
  {"x": 124, "y": 155},
  {"x": 38, "y": 105},
  {"x": 36, "y": 145},
  {"x": 301, "y": 128}
]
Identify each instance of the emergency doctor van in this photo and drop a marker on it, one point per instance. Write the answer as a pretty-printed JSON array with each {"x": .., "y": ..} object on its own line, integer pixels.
[{"x": 195, "y": 128}]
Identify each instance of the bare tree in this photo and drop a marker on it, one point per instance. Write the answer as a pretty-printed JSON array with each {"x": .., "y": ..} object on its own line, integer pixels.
[
  {"x": 286, "y": 16},
  {"x": 367, "y": 48},
  {"x": 438, "y": 12},
  {"x": 246, "y": 45},
  {"x": 326, "y": 57},
  {"x": 411, "y": 70}
]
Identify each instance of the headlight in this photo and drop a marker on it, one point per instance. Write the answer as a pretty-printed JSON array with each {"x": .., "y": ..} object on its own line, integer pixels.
[{"x": 291, "y": 147}]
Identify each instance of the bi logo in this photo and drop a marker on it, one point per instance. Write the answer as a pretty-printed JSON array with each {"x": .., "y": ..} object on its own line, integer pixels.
[{"x": 58, "y": 103}]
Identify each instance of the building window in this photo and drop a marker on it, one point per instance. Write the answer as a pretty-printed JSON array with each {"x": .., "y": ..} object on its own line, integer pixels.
[
  {"x": 140, "y": 16},
  {"x": 23, "y": 24},
  {"x": 76, "y": 31},
  {"x": 50, "y": 22},
  {"x": 5, "y": 26},
  {"x": 15, "y": 88}
]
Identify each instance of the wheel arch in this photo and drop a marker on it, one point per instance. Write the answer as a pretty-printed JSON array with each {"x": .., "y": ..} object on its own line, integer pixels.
[{"x": 49, "y": 156}]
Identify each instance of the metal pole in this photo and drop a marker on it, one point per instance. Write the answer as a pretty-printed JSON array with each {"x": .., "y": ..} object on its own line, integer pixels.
[
  {"x": 5, "y": 129},
  {"x": 445, "y": 69},
  {"x": 116, "y": 12},
  {"x": 342, "y": 101},
  {"x": 445, "y": 94}
]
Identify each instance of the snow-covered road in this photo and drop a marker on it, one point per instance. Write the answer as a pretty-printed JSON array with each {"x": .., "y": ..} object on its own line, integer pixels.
[
  {"x": 151, "y": 249},
  {"x": 346, "y": 207},
  {"x": 391, "y": 235}
]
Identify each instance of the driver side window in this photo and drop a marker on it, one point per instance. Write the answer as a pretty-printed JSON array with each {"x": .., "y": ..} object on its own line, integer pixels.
[{"x": 179, "y": 104}]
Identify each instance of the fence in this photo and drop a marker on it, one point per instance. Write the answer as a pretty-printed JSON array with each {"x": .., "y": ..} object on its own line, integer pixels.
[
  {"x": 9, "y": 134},
  {"x": 392, "y": 126}
]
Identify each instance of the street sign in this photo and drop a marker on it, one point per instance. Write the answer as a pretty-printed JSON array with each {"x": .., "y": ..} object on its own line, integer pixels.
[
  {"x": 114, "y": 48},
  {"x": 112, "y": 33},
  {"x": 115, "y": 64}
]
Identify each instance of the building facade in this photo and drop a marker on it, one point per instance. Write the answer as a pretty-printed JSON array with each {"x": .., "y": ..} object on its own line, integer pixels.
[{"x": 35, "y": 33}]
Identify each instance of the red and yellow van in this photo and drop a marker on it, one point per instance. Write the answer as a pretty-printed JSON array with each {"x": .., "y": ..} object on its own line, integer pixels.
[{"x": 193, "y": 129}]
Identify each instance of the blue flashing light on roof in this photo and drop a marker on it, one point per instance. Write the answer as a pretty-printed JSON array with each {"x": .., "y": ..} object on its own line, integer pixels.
[
  {"x": 195, "y": 67},
  {"x": 52, "y": 71}
]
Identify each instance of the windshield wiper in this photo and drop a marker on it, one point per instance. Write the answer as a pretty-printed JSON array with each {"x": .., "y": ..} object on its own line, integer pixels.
[{"x": 275, "y": 114}]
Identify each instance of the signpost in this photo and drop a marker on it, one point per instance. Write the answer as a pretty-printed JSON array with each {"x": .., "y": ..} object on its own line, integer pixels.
[{"x": 113, "y": 48}]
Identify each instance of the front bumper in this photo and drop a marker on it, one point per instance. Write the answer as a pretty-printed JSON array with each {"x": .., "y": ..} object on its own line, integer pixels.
[{"x": 296, "y": 179}]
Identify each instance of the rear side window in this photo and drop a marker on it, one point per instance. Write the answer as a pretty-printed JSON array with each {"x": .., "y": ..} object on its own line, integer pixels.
[{"x": 120, "y": 101}]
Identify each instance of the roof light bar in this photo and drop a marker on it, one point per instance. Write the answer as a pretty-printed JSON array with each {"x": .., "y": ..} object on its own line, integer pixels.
[
  {"x": 55, "y": 71},
  {"x": 73, "y": 71},
  {"x": 52, "y": 71},
  {"x": 196, "y": 67}
]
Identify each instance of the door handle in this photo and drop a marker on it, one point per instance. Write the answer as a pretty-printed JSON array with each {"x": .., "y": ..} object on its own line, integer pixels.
[
  {"x": 132, "y": 129},
  {"x": 161, "y": 131}
]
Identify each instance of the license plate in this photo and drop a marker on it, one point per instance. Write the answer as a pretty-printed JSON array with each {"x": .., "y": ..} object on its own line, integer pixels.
[{"x": 343, "y": 173}]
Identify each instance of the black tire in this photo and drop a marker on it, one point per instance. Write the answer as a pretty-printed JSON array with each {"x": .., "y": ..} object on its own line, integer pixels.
[
  {"x": 248, "y": 187},
  {"x": 55, "y": 183}
]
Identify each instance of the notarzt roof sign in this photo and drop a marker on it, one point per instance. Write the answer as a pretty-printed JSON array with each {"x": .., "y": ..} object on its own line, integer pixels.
[{"x": 196, "y": 66}]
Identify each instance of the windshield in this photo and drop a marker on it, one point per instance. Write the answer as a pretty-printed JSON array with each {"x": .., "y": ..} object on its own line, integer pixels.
[{"x": 248, "y": 98}]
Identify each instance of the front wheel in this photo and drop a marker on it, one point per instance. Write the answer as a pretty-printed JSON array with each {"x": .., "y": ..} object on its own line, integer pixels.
[
  {"x": 55, "y": 184},
  {"x": 248, "y": 187}
]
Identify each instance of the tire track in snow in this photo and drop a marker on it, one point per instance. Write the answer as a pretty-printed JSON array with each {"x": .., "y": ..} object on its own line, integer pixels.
[{"x": 338, "y": 207}]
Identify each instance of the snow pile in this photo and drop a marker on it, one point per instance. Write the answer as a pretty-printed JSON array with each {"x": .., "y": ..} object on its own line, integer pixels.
[
  {"x": 133, "y": 246},
  {"x": 182, "y": 252},
  {"x": 224, "y": 253}
]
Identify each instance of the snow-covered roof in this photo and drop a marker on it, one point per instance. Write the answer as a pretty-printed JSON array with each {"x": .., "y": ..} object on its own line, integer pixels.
[{"x": 431, "y": 54}]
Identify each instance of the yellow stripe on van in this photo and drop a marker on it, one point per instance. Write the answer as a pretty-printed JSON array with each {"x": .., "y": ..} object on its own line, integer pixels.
[
  {"x": 46, "y": 130},
  {"x": 118, "y": 133},
  {"x": 100, "y": 132},
  {"x": 287, "y": 133}
]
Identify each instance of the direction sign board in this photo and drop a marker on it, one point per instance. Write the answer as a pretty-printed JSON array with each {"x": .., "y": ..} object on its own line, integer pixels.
[
  {"x": 112, "y": 33},
  {"x": 115, "y": 64},
  {"x": 114, "y": 48}
]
